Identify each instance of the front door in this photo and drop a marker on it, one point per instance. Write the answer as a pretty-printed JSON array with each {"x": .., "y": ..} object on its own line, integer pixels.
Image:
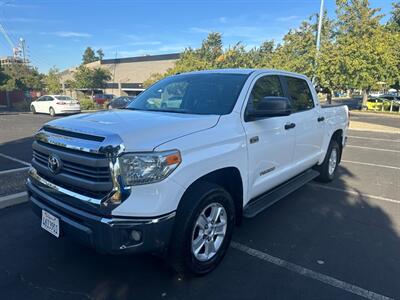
[{"x": 269, "y": 145}]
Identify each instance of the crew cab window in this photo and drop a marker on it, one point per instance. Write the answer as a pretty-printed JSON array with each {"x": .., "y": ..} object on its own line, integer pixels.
[
  {"x": 299, "y": 94},
  {"x": 267, "y": 86}
]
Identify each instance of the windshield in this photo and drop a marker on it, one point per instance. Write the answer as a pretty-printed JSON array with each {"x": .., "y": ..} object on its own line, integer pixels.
[
  {"x": 192, "y": 94},
  {"x": 63, "y": 98}
]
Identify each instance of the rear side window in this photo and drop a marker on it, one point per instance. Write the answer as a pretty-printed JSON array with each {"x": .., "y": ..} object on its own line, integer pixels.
[
  {"x": 299, "y": 94},
  {"x": 267, "y": 86}
]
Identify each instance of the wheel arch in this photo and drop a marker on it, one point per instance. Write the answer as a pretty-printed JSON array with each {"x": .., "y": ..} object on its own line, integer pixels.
[
  {"x": 338, "y": 137},
  {"x": 228, "y": 178}
]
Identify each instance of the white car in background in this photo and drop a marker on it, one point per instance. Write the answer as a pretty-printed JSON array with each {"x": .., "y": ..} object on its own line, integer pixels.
[{"x": 55, "y": 104}]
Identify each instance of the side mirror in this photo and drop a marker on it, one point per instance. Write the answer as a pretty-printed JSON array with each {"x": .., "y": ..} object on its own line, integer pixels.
[{"x": 269, "y": 107}]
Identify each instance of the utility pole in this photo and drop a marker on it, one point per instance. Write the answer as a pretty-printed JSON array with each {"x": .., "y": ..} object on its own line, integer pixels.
[
  {"x": 321, "y": 16},
  {"x": 23, "y": 49}
]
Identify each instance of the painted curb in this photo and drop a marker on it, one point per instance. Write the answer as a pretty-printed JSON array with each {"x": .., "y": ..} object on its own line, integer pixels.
[{"x": 14, "y": 199}]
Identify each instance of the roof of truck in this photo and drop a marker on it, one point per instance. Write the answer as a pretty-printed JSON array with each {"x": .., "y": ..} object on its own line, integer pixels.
[{"x": 245, "y": 71}]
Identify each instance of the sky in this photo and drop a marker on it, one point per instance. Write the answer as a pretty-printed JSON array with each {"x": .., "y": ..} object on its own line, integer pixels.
[{"x": 57, "y": 31}]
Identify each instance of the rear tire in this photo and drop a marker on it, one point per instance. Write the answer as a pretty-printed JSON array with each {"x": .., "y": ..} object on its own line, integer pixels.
[
  {"x": 328, "y": 168},
  {"x": 203, "y": 229},
  {"x": 52, "y": 112}
]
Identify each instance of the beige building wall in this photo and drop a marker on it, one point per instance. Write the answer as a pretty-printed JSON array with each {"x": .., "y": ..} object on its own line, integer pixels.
[{"x": 128, "y": 74}]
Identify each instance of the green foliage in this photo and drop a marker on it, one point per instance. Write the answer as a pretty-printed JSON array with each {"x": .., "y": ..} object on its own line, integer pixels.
[
  {"x": 52, "y": 81},
  {"x": 89, "y": 56},
  {"x": 90, "y": 79},
  {"x": 366, "y": 49},
  {"x": 297, "y": 53},
  {"x": 21, "y": 77},
  {"x": 100, "y": 54},
  {"x": 87, "y": 104}
]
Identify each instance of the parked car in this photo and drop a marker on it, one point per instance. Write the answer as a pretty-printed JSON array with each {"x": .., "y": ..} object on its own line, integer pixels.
[
  {"x": 394, "y": 98},
  {"x": 55, "y": 104},
  {"x": 120, "y": 102},
  {"x": 178, "y": 179},
  {"x": 102, "y": 98},
  {"x": 376, "y": 103}
]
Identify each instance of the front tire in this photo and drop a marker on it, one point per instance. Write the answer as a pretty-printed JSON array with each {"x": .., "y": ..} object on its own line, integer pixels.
[
  {"x": 203, "y": 229},
  {"x": 52, "y": 112},
  {"x": 33, "y": 110},
  {"x": 328, "y": 168}
]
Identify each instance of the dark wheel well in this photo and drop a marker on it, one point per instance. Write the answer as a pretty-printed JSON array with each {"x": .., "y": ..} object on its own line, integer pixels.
[
  {"x": 338, "y": 137},
  {"x": 230, "y": 179}
]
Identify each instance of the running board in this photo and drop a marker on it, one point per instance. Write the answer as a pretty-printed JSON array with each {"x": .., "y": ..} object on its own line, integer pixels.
[{"x": 259, "y": 204}]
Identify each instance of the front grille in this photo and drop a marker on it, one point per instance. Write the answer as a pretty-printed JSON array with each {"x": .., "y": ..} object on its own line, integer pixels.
[
  {"x": 81, "y": 172},
  {"x": 95, "y": 174}
]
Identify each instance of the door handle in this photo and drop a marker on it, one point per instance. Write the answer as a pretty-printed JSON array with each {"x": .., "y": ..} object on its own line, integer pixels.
[
  {"x": 321, "y": 119},
  {"x": 290, "y": 126}
]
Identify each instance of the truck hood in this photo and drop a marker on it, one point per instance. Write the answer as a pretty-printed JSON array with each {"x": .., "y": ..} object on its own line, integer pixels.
[{"x": 139, "y": 130}]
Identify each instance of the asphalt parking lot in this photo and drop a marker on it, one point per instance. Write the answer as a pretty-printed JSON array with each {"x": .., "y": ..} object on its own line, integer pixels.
[{"x": 334, "y": 241}]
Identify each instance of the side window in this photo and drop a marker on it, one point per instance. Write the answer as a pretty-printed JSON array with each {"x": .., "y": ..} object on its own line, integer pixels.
[
  {"x": 299, "y": 94},
  {"x": 267, "y": 86}
]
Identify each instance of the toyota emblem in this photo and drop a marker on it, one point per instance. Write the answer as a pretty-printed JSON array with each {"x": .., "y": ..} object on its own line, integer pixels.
[{"x": 54, "y": 163}]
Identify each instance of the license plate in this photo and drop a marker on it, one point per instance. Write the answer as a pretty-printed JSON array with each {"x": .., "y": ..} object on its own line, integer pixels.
[{"x": 50, "y": 223}]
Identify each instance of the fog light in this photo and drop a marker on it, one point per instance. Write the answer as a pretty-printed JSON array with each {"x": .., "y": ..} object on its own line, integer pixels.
[{"x": 136, "y": 235}]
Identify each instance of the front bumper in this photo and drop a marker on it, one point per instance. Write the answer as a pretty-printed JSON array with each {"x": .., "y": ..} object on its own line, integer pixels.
[{"x": 105, "y": 234}]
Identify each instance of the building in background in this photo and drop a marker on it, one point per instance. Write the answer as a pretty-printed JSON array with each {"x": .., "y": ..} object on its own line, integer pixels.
[
  {"x": 128, "y": 74},
  {"x": 10, "y": 60}
]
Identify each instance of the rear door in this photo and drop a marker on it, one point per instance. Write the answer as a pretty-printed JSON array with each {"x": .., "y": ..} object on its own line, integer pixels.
[
  {"x": 309, "y": 123},
  {"x": 269, "y": 145}
]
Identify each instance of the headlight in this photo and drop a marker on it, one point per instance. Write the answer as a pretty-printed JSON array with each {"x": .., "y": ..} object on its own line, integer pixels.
[{"x": 144, "y": 168}]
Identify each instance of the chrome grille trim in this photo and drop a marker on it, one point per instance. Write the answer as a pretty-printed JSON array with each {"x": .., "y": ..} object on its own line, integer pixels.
[
  {"x": 101, "y": 154},
  {"x": 33, "y": 174}
]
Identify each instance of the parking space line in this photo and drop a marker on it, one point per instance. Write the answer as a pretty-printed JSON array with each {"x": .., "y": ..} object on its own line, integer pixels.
[
  {"x": 370, "y": 148},
  {"x": 331, "y": 188},
  {"x": 15, "y": 159},
  {"x": 13, "y": 170},
  {"x": 373, "y": 139},
  {"x": 369, "y": 164},
  {"x": 332, "y": 281}
]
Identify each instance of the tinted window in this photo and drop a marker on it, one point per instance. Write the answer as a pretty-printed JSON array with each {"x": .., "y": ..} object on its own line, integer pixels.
[
  {"x": 299, "y": 94},
  {"x": 64, "y": 98},
  {"x": 207, "y": 93},
  {"x": 267, "y": 86}
]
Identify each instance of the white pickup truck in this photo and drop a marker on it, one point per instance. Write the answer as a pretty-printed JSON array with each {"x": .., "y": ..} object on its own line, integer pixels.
[{"x": 184, "y": 162}]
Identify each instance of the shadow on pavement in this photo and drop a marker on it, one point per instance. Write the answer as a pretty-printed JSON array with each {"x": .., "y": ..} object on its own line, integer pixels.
[{"x": 20, "y": 149}]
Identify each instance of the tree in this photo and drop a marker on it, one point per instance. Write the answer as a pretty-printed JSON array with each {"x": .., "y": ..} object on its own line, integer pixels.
[
  {"x": 366, "y": 54},
  {"x": 52, "y": 81},
  {"x": 91, "y": 79},
  {"x": 394, "y": 21},
  {"x": 297, "y": 52},
  {"x": 22, "y": 77},
  {"x": 100, "y": 54},
  {"x": 89, "y": 56}
]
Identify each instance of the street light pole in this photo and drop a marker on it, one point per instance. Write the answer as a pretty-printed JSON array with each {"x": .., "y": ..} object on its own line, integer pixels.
[{"x": 321, "y": 16}]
